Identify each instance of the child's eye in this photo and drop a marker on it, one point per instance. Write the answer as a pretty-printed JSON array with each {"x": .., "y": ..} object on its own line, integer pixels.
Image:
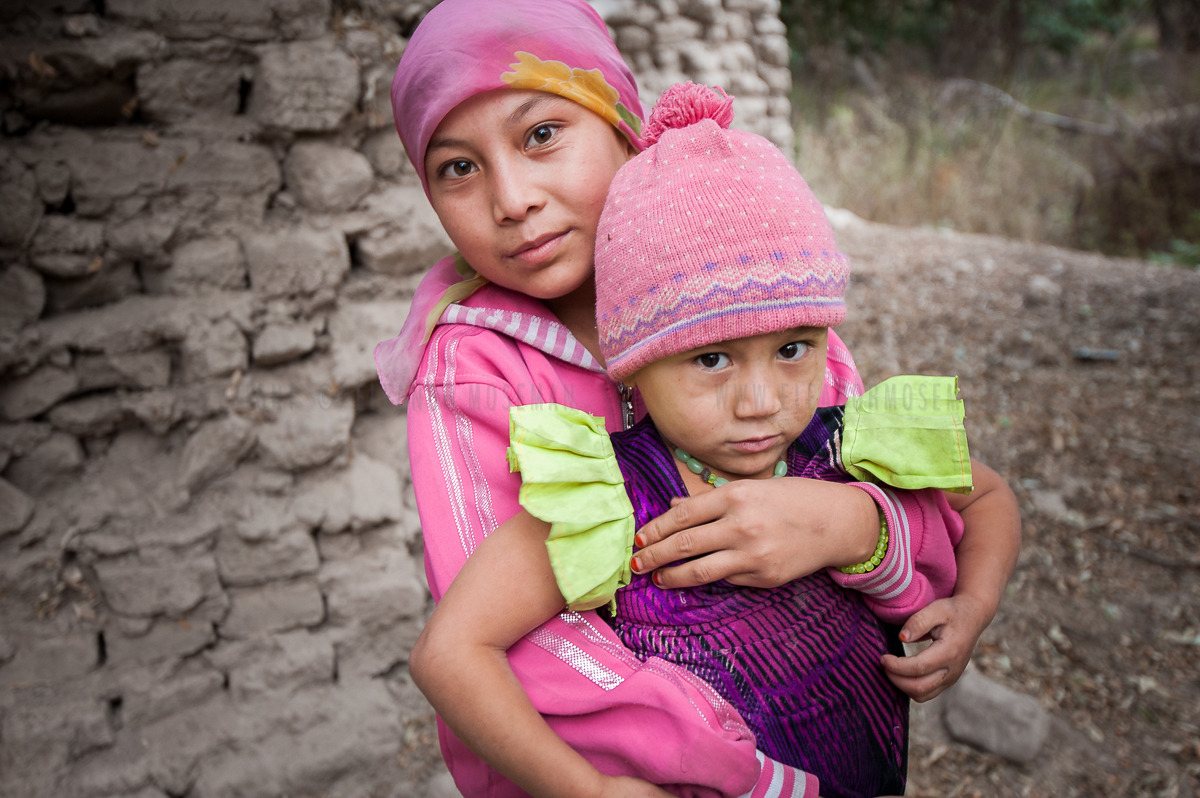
[
  {"x": 794, "y": 351},
  {"x": 542, "y": 134},
  {"x": 713, "y": 360},
  {"x": 459, "y": 167}
]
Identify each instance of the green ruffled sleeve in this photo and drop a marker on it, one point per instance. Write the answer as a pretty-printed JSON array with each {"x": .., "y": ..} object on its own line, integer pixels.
[
  {"x": 907, "y": 432},
  {"x": 570, "y": 479}
]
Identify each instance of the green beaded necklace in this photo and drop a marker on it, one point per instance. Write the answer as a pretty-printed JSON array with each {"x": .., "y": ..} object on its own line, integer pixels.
[{"x": 706, "y": 474}]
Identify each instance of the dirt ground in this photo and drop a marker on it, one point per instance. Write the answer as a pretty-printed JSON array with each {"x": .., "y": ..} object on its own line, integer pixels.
[{"x": 1080, "y": 376}]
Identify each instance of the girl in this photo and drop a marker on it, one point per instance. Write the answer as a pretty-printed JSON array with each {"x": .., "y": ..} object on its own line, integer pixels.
[
  {"x": 717, "y": 278},
  {"x": 516, "y": 116}
]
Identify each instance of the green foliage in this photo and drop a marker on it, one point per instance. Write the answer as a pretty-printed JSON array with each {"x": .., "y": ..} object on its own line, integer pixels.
[{"x": 959, "y": 35}]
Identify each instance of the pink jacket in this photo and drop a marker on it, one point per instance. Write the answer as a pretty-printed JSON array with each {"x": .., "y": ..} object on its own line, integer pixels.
[{"x": 499, "y": 348}]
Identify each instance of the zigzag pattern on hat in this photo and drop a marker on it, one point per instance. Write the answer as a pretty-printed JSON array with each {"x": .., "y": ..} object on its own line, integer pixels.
[{"x": 643, "y": 317}]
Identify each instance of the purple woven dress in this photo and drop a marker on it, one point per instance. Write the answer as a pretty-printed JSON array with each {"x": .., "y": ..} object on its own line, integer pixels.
[{"x": 799, "y": 662}]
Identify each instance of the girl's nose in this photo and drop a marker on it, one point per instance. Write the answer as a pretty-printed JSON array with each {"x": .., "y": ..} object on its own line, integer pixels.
[{"x": 516, "y": 193}]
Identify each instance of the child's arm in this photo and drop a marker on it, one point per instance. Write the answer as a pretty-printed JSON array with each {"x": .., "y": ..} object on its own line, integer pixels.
[
  {"x": 505, "y": 589},
  {"x": 985, "y": 559}
]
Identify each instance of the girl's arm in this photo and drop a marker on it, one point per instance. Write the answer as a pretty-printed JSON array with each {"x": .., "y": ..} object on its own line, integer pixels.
[
  {"x": 985, "y": 559},
  {"x": 574, "y": 669},
  {"x": 505, "y": 590}
]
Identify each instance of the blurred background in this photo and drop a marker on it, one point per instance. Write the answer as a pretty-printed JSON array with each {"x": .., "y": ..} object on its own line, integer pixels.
[{"x": 210, "y": 562}]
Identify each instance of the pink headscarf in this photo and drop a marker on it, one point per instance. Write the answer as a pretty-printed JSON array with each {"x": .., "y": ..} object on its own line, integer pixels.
[{"x": 466, "y": 47}]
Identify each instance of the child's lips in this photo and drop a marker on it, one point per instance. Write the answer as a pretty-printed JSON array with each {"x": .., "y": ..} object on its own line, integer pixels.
[{"x": 755, "y": 445}]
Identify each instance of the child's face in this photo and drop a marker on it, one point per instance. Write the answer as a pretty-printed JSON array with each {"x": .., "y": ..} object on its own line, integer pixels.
[
  {"x": 518, "y": 179},
  {"x": 736, "y": 406}
]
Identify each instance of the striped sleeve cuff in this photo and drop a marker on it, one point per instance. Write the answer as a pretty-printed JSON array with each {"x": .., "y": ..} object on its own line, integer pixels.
[
  {"x": 776, "y": 780},
  {"x": 892, "y": 577}
]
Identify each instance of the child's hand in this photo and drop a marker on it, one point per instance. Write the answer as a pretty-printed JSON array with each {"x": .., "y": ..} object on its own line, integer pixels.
[{"x": 954, "y": 625}]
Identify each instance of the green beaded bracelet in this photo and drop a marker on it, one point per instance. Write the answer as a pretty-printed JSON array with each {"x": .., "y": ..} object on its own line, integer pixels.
[{"x": 880, "y": 551}]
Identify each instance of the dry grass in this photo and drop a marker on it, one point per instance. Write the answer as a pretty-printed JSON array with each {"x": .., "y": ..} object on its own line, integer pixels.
[{"x": 911, "y": 150}]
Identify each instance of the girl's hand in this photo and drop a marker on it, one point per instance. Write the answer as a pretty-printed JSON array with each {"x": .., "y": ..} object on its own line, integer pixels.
[
  {"x": 954, "y": 625},
  {"x": 628, "y": 787},
  {"x": 759, "y": 533}
]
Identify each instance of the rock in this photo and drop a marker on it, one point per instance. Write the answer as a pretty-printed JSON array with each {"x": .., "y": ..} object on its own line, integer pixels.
[
  {"x": 144, "y": 238},
  {"x": 159, "y": 583},
  {"x": 306, "y": 432},
  {"x": 355, "y": 329},
  {"x": 288, "y": 554},
  {"x": 68, "y": 247},
  {"x": 281, "y": 343},
  {"x": 16, "y": 508},
  {"x": 165, "y": 640},
  {"x": 135, "y": 370},
  {"x": 327, "y": 178},
  {"x": 304, "y": 86},
  {"x": 25, "y": 397},
  {"x": 272, "y": 608},
  {"x": 1041, "y": 291},
  {"x": 22, "y": 297},
  {"x": 20, "y": 205},
  {"x": 299, "y": 261},
  {"x": 51, "y": 656},
  {"x": 441, "y": 785},
  {"x": 184, "y": 87},
  {"x": 364, "y": 494},
  {"x": 58, "y": 457},
  {"x": 215, "y": 449},
  {"x": 992, "y": 717},
  {"x": 214, "y": 349},
  {"x": 386, "y": 154},
  {"x": 280, "y": 664},
  {"x": 408, "y": 245},
  {"x": 109, "y": 282},
  {"x": 54, "y": 181},
  {"x": 205, "y": 263},
  {"x": 233, "y": 18}
]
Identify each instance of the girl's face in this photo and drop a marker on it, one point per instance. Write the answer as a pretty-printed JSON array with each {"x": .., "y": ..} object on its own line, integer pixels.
[
  {"x": 736, "y": 406},
  {"x": 518, "y": 179}
]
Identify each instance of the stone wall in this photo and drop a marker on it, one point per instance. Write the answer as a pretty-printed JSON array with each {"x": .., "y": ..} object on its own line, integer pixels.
[{"x": 210, "y": 562}]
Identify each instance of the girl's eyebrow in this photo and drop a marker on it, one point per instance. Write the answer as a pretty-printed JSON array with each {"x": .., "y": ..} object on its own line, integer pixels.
[
  {"x": 522, "y": 110},
  {"x": 519, "y": 113}
]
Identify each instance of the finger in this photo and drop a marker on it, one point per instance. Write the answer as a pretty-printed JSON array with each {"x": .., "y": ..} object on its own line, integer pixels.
[
  {"x": 684, "y": 514},
  {"x": 920, "y": 689},
  {"x": 922, "y": 623},
  {"x": 927, "y": 662},
  {"x": 693, "y": 541},
  {"x": 721, "y": 564}
]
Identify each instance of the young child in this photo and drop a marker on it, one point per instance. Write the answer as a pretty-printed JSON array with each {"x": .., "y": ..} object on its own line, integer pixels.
[
  {"x": 717, "y": 279},
  {"x": 516, "y": 116}
]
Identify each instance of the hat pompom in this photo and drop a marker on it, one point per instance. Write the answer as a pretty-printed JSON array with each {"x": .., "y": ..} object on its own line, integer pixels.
[{"x": 686, "y": 104}]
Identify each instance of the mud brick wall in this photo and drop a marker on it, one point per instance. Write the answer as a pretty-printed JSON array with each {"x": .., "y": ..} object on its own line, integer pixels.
[{"x": 210, "y": 561}]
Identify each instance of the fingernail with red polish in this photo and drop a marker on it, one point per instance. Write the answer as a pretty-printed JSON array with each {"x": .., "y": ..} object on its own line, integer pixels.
[
  {"x": 633, "y": 563},
  {"x": 656, "y": 579},
  {"x": 639, "y": 541}
]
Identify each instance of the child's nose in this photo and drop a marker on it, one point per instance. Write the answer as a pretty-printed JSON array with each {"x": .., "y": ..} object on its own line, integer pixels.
[{"x": 758, "y": 397}]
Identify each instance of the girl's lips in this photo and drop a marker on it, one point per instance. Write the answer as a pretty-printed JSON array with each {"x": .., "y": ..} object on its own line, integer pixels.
[{"x": 539, "y": 249}]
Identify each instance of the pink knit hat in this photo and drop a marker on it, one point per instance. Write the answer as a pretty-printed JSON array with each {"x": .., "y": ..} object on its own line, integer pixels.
[{"x": 708, "y": 235}]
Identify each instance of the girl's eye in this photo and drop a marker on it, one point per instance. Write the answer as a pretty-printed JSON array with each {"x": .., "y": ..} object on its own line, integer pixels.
[
  {"x": 542, "y": 134},
  {"x": 793, "y": 351},
  {"x": 460, "y": 167},
  {"x": 713, "y": 360}
]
